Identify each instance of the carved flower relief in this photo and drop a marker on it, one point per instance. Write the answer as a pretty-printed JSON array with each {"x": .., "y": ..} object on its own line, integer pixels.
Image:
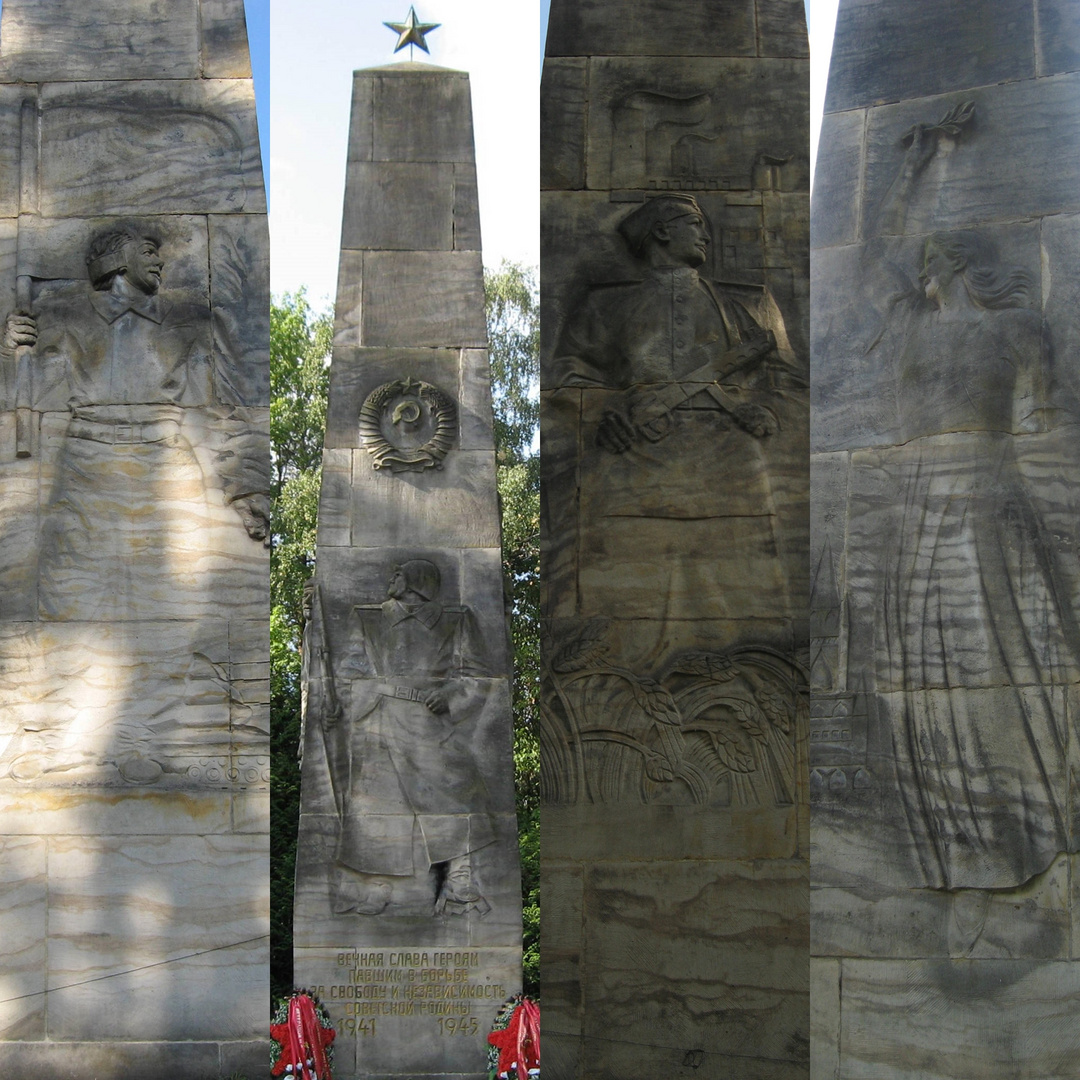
[{"x": 408, "y": 425}]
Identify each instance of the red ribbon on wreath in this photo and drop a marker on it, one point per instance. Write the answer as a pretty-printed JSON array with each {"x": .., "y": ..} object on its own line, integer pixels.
[
  {"x": 303, "y": 1042},
  {"x": 519, "y": 1041}
]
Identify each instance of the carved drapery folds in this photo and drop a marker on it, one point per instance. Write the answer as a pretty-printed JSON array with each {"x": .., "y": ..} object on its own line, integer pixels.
[{"x": 946, "y": 645}]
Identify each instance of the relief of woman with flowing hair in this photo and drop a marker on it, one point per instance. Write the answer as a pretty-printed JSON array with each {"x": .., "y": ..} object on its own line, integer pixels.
[{"x": 975, "y": 634}]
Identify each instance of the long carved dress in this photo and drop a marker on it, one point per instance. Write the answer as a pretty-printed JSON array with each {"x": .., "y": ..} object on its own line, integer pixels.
[{"x": 975, "y": 636}]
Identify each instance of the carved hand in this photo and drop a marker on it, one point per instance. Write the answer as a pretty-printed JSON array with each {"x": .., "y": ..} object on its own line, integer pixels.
[
  {"x": 757, "y": 345},
  {"x": 19, "y": 329},
  {"x": 254, "y": 511},
  {"x": 615, "y": 432},
  {"x": 924, "y": 144},
  {"x": 758, "y": 421},
  {"x": 437, "y": 703}
]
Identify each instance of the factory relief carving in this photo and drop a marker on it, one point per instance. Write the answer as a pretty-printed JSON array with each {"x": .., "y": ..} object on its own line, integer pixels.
[
  {"x": 408, "y": 425},
  {"x": 396, "y": 711}
]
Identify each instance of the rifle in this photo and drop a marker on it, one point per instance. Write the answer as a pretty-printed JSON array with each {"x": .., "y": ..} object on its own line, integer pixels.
[
  {"x": 660, "y": 402},
  {"x": 23, "y": 415},
  {"x": 330, "y": 711}
]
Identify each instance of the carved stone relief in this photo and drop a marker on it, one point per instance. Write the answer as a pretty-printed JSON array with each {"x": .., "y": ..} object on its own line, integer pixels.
[
  {"x": 144, "y": 441},
  {"x": 713, "y": 728},
  {"x": 678, "y": 372},
  {"x": 959, "y": 616},
  {"x": 393, "y": 712},
  {"x": 408, "y": 425}
]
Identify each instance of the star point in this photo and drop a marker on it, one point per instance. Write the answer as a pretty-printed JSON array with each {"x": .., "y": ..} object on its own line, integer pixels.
[{"x": 411, "y": 32}]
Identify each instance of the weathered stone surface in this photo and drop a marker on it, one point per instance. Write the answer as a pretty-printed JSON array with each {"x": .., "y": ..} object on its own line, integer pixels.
[
  {"x": 780, "y": 28},
  {"x": 54, "y": 40},
  {"x": 11, "y": 123},
  {"x": 881, "y": 921},
  {"x": 932, "y": 49},
  {"x": 769, "y": 833},
  {"x": 399, "y": 206},
  {"x": 674, "y": 538},
  {"x": 411, "y": 112},
  {"x": 136, "y": 1060},
  {"x": 454, "y": 507},
  {"x": 988, "y": 1018},
  {"x": 224, "y": 40},
  {"x": 23, "y": 885},
  {"x": 408, "y": 892},
  {"x": 95, "y": 138},
  {"x": 421, "y": 298},
  {"x": 563, "y": 99},
  {"x": 167, "y": 894},
  {"x": 663, "y": 28},
  {"x": 824, "y": 1019},
  {"x": 134, "y": 453},
  {"x": 140, "y": 813},
  {"x": 741, "y": 993},
  {"x": 836, "y": 216}
]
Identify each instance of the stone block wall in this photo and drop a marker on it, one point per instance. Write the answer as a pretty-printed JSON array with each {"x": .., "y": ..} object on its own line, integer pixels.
[
  {"x": 944, "y": 543},
  {"x": 674, "y": 372},
  {"x": 134, "y": 474},
  {"x": 408, "y": 891}
]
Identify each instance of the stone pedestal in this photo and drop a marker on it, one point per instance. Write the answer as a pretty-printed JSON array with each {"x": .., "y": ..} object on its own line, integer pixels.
[
  {"x": 674, "y": 427},
  {"x": 134, "y": 469},
  {"x": 408, "y": 911},
  {"x": 946, "y": 650}
]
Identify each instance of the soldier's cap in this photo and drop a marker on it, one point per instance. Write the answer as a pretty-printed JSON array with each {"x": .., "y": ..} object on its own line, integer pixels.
[
  {"x": 638, "y": 226},
  {"x": 422, "y": 577}
]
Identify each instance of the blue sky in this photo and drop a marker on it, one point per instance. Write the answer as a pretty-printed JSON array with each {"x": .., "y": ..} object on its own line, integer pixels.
[
  {"x": 317, "y": 44},
  {"x": 258, "y": 23}
]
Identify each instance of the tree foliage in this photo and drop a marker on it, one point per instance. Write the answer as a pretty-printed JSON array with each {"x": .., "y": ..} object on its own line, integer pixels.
[
  {"x": 300, "y": 341},
  {"x": 513, "y": 320}
]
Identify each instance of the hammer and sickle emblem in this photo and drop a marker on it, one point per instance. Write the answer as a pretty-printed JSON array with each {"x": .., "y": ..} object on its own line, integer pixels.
[{"x": 406, "y": 411}]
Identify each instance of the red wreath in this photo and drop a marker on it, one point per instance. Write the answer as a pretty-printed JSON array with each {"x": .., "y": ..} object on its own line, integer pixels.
[
  {"x": 303, "y": 1042},
  {"x": 519, "y": 1041}
]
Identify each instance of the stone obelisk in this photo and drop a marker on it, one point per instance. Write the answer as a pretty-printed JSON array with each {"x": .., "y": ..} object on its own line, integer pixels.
[
  {"x": 674, "y": 427},
  {"x": 408, "y": 912},
  {"x": 946, "y": 490},
  {"x": 134, "y": 468}
]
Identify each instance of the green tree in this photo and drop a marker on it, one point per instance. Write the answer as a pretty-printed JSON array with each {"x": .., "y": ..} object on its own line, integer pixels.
[
  {"x": 300, "y": 342},
  {"x": 513, "y": 322}
]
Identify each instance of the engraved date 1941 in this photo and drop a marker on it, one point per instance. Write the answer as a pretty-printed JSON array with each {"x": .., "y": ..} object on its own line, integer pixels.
[{"x": 353, "y": 1025}]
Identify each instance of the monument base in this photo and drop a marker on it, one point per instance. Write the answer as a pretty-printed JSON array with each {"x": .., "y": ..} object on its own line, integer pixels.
[{"x": 416, "y": 1011}]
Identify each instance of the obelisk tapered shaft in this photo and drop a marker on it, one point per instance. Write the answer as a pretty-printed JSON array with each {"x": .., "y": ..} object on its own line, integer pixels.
[{"x": 408, "y": 910}]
